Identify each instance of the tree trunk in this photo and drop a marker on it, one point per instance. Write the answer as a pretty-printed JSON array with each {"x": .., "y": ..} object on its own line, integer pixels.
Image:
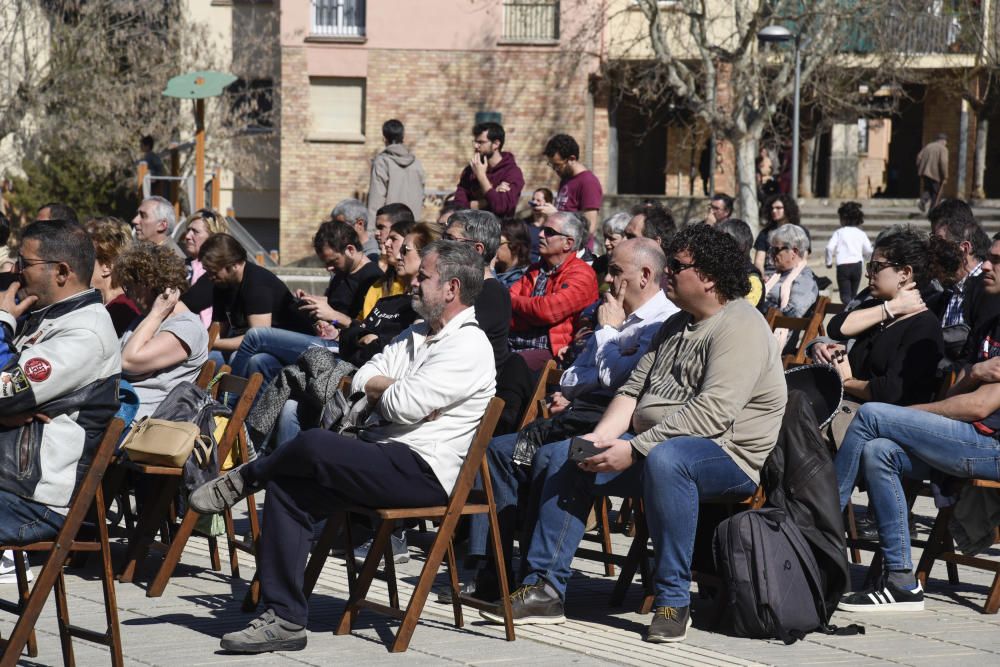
[
  {"x": 746, "y": 180},
  {"x": 979, "y": 177}
]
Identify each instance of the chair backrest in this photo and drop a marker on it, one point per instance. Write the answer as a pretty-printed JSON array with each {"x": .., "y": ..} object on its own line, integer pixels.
[
  {"x": 536, "y": 407},
  {"x": 946, "y": 382},
  {"x": 476, "y": 454},
  {"x": 213, "y": 334},
  {"x": 808, "y": 326},
  {"x": 246, "y": 389},
  {"x": 206, "y": 374}
]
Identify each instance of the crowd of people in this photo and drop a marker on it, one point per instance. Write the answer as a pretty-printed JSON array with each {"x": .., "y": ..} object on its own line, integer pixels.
[{"x": 668, "y": 366}]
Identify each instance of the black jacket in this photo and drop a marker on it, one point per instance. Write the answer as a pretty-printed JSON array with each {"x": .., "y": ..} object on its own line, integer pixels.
[{"x": 799, "y": 478}]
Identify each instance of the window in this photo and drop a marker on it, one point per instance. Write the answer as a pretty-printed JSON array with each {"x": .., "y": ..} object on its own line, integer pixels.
[
  {"x": 338, "y": 18},
  {"x": 337, "y": 109},
  {"x": 531, "y": 20}
]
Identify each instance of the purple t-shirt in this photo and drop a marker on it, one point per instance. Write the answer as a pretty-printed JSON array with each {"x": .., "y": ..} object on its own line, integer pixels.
[{"x": 580, "y": 193}]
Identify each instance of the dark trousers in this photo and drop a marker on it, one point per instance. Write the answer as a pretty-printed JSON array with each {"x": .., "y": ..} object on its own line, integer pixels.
[
  {"x": 848, "y": 281},
  {"x": 312, "y": 476},
  {"x": 929, "y": 190}
]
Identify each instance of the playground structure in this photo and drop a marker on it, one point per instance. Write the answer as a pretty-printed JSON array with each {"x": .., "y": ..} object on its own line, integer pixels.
[{"x": 197, "y": 86}]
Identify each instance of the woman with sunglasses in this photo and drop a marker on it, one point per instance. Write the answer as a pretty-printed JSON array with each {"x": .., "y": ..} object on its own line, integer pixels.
[
  {"x": 892, "y": 343},
  {"x": 199, "y": 226},
  {"x": 390, "y": 283},
  {"x": 792, "y": 287}
]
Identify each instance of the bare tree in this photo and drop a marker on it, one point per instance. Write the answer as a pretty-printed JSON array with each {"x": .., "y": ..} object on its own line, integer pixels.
[
  {"x": 87, "y": 76},
  {"x": 704, "y": 56}
]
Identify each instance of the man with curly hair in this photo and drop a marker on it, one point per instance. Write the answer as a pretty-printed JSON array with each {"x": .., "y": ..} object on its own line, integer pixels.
[{"x": 695, "y": 421}]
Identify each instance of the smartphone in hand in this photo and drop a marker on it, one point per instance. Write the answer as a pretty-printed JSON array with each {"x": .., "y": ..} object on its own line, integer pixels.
[{"x": 581, "y": 449}]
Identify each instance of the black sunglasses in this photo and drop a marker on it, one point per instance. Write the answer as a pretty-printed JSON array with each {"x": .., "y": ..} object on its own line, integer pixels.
[
  {"x": 874, "y": 267},
  {"x": 675, "y": 266},
  {"x": 548, "y": 231}
]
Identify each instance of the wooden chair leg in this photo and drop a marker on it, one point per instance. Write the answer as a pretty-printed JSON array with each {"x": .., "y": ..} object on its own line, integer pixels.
[
  {"x": 321, "y": 551},
  {"x": 935, "y": 545},
  {"x": 213, "y": 553},
  {"x": 173, "y": 557},
  {"x": 424, "y": 583},
  {"x": 604, "y": 527},
  {"x": 33, "y": 606},
  {"x": 646, "y": 606},
  {"x": 852, "y": 532},
  {"x": 636, "y": 553},
  {"x": 231, "y": 541},
  {"x": 113, "y": 633},
  {"x": 148, "y": 525},
  {"x": 23, "y": 591},
  {"x": 993, "y": 597},
  {"x": 364, "y": 582},
  {"x": 390, "y": 575},
  {"x": 62, "y": 616},
  {"x": 456, "y": 593},
  {"x": 498, "y": 559}
]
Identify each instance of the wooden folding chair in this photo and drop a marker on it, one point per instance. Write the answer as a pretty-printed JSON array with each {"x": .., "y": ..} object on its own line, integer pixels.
[
  {"x": 808, "y": 327},
  {"x": 89, "y": 497},
  {"x": 213, "y": 334},
  {"x": 168, "y": 480},
  {"x": 206, "y": 374},
  {"x": 460, "y": 503},
  {"x": 537, "y": 406},
  {"x": 941, "y": 546},
  {"x": 639, "y": 553}
]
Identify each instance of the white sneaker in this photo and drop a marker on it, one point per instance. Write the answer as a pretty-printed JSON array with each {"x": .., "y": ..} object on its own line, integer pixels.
[{"x": 7, "y": 573}]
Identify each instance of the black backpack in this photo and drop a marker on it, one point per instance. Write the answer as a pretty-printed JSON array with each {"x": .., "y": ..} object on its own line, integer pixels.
[{"x": 771, "y": 581}]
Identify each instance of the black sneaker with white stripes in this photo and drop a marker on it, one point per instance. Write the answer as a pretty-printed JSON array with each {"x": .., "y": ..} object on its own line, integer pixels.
[{"x": 884, "y": 597}]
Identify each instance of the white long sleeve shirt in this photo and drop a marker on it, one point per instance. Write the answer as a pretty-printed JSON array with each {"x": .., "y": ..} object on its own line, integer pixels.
[
  {"x": 434, "y": 374},
  {"x": 611, "y": 354},
  {"x": 850, "y": 245}
]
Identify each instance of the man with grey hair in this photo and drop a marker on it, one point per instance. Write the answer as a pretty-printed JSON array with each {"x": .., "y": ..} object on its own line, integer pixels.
[
  {"x": 154, "y": 223},
  {"x": 547, "y": 300},
  {"x": 352, "y": 212},
  {"x": 427, "y": 397}
]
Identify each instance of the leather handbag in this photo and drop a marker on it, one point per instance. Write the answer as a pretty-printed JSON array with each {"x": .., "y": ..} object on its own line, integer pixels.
[{"x": 165, "y": 443}]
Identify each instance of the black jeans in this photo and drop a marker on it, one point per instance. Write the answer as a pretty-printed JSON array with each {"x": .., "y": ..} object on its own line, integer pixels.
[
  {"x": 849, "y": 280},
  {"x": 929, "y": 190},
  {"x": 312, "y": 476}
]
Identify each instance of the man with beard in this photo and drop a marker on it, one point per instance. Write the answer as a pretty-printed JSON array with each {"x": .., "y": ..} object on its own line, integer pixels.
[
  {"x": 492, "y": 181},
  {"x": 427, "y": 402}
]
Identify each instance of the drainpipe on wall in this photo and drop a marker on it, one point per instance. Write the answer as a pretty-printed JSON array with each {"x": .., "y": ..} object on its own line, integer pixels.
[{"x": 963, "y": 149}]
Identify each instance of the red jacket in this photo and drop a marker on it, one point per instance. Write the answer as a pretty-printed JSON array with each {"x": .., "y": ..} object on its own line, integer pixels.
[{"x": 569, "y": 290}]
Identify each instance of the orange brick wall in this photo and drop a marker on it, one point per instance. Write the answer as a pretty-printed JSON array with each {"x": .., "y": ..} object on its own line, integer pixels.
[{"x": 436, "y": 94}]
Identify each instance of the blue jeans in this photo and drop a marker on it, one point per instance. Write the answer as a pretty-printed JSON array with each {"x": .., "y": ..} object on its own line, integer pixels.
[
  {"x": 889, "y": 442},
  {"x": 508, "y": 479},
  {"x": 267, "y": 350},
  {"x": 24, "y": 521},
  {"x": 677, "y": 475},
  {"x": 288, "y": 425}
]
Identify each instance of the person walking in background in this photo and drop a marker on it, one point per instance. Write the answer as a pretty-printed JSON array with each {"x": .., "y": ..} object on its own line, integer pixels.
[
  {"x": 849, "y": 247},
  {"x": 932, "y": 169},
  {"x": 397, "y": 176}
]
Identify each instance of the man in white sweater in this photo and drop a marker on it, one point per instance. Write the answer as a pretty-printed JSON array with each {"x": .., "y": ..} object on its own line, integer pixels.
[{"x": 428, "y": 400}]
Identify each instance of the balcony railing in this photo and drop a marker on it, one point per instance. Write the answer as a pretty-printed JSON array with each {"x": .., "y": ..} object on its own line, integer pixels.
[
  {"x": 916, "y": 32},
  {"x": 338, "y": 18},
  {"x": 531, "y": 20}
]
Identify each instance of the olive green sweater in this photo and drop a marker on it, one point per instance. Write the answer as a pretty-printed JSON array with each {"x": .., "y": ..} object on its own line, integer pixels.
[{"x": 720, "y": 378}]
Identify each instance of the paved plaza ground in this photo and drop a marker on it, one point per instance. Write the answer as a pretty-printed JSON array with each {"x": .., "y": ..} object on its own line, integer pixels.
[{"x": 184, "y": 625}]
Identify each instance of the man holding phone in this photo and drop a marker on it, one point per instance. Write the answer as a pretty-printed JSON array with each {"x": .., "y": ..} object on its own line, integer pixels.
[
  {"x": 492, "y": 181},
  {"x": 695, "y": 420}
]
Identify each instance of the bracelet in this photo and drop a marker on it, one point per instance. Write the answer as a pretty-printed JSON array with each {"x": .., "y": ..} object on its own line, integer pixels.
[{"x": 885, "y": 307}]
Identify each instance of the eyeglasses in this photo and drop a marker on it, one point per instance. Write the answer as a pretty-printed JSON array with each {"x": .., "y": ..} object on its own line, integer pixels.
[
  {"x": 549, "y": 231},
  {"x": 407, "y": 249},
  {"x": 778, "y": 207},
  {"x": 874, "y": 267},
  {"x": 776, "y": 250},
  {"x": 20, "y": 264},
  {"x": 556, "y": 165},
  {"x": 675, "y": 266}
]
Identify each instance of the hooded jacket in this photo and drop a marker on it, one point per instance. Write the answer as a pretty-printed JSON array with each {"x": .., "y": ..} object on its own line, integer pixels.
[
  {"x": 503, "y": 204},
  {"x": 397, "y": 177},
  {"x": 63, "y": 362}
]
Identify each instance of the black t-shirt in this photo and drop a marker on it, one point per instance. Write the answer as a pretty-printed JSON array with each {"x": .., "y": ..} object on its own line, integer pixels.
[
  {"x": 346, "y": 292},
  {"x": 260, "y": 292},
  {"x": 390, "y": 316},
  {"x": 900, "y": 361},
  {"x": 493, "y": 314}
]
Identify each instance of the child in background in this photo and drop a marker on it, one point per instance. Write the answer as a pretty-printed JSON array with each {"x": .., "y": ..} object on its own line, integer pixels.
[{"x": 851, "y": 248}]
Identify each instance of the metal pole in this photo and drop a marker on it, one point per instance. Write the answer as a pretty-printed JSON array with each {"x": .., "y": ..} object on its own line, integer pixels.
[{"x": 795, "y": 122}]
